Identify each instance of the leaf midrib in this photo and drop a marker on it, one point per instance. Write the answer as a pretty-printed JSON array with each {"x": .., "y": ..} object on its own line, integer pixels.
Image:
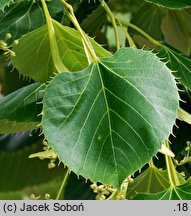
[{"x": 109, "y": 121}]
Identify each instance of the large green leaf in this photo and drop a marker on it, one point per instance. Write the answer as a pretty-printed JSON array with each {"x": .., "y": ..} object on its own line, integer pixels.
[
  {"x": 152, "y": 180},
  {"x": 172, "y": 4},
  {"x": 33, "y": 53},
  {"x": 108, "y": 120},
  {"x": 179, "y": 63},
  {"x": 19, "y": 110},
  {"x": 181, "y": 192},
  {"x": 176, "y": 28}
]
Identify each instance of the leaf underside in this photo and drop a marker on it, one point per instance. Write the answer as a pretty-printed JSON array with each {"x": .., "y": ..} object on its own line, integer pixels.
[{"x": 108, "y": 120}]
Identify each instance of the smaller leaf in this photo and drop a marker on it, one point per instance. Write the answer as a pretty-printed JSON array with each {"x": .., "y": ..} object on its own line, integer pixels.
[
  {"x": 172, "y": 4},
  {"x": 19, "y": 110},
  {"x": 152, "y": 180},
  {"x": 181, "y": 192},
  {"x": 177, "y": 62}
]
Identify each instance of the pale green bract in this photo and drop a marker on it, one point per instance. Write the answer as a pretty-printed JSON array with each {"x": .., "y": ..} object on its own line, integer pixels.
[{"x": 108, "y": 120}]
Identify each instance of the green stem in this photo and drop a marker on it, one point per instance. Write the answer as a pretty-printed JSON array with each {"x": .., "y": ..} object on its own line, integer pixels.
[
  {"x": 129, "y": 39},
  {"x": 63, "y": 183},
  {"x": 172, "y": 175},
  {"x": 60, "y": 67},
  {"x": 127, "y": 24},
  {"x": 90, "y": 53},
  {"x": 113, "y": 21}
]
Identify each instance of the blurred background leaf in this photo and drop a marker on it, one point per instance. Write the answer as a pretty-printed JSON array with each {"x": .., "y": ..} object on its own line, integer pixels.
[
  {"x": 17, "y": 171},
  {"x": 77, "y": 188},
  {"x": 149, "y": 18},
  {"x": 176, "y": 27}
]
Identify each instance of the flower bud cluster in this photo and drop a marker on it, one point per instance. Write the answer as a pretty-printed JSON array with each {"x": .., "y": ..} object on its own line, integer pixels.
[
  {"x": 103, "y": 191},
  {"x": 7, "y": 48}
]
